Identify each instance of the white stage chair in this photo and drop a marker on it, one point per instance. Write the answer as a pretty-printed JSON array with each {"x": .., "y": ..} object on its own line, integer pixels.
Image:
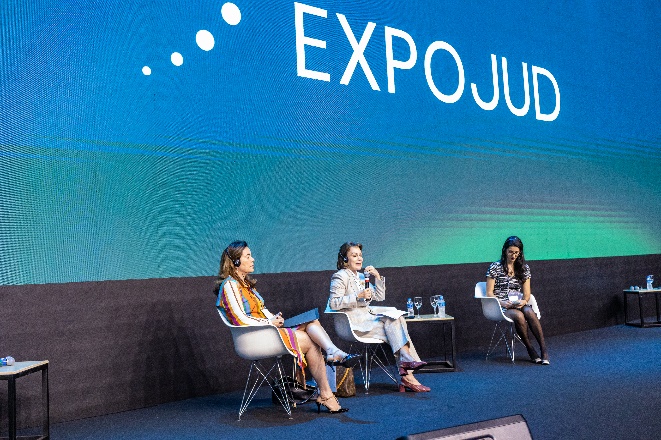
[
  {"x": 504, "y": 325},
  {"x": 371, "y": 346},
  {"x": 257, "y": 343}
]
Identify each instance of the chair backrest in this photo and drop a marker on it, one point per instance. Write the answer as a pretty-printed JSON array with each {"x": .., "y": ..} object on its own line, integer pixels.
[
  {"x": 344, "y": 330},
  {"x": 491, "y": 309},
  {"x": 343, "y": 327},
  {"x": 481, "y": 292},
  {"x": 255, "y": 342},
  {"x": 490, "y": 305},
  {"x": 535, "y": 307}
]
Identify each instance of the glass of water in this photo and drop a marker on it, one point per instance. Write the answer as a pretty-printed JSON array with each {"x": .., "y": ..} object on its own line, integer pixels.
[
  {"x": 434, "y": 303},
  {"x": 417, "y": 301}
]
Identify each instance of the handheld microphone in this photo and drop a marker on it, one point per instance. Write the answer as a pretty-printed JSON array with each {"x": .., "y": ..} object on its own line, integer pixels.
[{"x": 367, "y": 280}]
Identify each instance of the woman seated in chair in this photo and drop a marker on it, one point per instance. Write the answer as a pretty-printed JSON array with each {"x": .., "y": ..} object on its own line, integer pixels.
[
  {"x": 242, "y": 305},
  {"x": 512, "y": 275},
  {"x": 348, "y": 294}
]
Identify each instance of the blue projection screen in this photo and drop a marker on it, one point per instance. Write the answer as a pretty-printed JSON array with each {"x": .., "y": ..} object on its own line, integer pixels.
[{"x": 138, "y": 138}]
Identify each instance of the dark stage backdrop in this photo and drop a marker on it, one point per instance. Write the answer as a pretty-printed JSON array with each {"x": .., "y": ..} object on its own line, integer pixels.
[{"x": 120, "y": 345}]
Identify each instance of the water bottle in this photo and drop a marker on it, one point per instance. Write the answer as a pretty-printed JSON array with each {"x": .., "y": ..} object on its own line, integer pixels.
[
  {"x": 409, "y": 308},
  {"x": 6, "y": 361},
  {"x": 650, "y": 280},
  {"x": 441, "y": 307}
]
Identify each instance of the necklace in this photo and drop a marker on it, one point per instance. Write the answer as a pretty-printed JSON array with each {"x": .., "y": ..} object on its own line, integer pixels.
[
  {"x": 241, "y": 278},
  {"x": 355, "y": 279}
]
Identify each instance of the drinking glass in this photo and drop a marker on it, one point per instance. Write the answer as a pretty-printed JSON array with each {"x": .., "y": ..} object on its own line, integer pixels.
[
  {"x": 434, "y": 303},
  {"x": 417, "y": 301}
]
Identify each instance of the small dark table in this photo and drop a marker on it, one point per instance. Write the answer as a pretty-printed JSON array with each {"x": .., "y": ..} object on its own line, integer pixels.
[
  {"x": 13, "y": 372},
  {"x": 640, "y": 294},
  {"x": 446, "y": 364}
]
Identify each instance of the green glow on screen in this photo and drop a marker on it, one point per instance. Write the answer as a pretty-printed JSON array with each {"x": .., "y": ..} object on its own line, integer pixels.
[{"x": 546, "y": 235}]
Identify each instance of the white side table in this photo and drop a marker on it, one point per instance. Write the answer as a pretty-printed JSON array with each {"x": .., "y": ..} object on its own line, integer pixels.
[{"x": 13, "y": 372}]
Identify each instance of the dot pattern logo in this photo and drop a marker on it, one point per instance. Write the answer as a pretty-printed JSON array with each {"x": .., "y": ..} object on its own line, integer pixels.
[{"x": 205, "y": 39}]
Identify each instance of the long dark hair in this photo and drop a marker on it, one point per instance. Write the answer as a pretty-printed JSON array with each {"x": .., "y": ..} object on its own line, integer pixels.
[
  {"x": 342, "y": 259},
  {"x": 520, "y": 261},
  {"x": 231, "y": 254}
]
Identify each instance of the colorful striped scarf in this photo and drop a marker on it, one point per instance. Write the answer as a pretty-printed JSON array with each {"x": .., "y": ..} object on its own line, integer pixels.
[{"x": 253, "y": 305}]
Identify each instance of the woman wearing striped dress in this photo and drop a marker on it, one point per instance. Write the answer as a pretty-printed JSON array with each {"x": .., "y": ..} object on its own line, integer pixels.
[
  {"x": 242, "y": 305},
  {"x": 511, "y": 277}
]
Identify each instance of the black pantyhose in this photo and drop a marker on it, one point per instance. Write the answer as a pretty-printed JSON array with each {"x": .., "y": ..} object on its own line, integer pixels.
[{"x": 526, "y": 318}]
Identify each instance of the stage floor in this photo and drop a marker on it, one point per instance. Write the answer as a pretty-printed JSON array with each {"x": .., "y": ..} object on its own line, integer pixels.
[{"x": 601, "y": 383}]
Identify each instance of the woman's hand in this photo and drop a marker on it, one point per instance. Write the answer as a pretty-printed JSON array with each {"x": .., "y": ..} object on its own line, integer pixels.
[
  {"x": 521, "y": 303},
  {"x": 513, "y": 305},
  {"x": 366, "y": 294},
  {"x": 372, "y": 271},
  {"x": 278, "y": 320}
]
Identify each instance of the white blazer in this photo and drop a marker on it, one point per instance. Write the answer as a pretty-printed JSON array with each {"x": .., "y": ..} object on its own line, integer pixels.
[{"x": 344, "y": 288}]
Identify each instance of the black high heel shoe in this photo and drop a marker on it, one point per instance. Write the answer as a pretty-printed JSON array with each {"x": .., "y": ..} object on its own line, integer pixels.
[
  {"x": 321, "y": 401},
  {"x": 347, "y": 361}
]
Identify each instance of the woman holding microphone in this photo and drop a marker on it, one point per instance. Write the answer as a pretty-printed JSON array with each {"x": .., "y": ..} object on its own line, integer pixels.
[{"x": 348, "y": 293}]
